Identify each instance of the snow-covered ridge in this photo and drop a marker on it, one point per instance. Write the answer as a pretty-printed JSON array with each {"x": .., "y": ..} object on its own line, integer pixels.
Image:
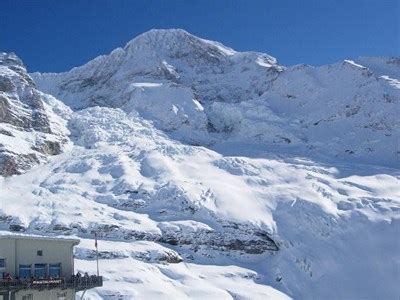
[
  {"x": 244, "y": 96},
  {"x": 162, "y": 55}
]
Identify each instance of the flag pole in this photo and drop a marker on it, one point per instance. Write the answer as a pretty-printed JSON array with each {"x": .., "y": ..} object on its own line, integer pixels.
[{"x": 97, "y": 252}]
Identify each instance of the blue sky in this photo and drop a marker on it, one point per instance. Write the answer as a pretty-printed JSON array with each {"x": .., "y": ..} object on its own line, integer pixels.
[{"x": 58, "y": 35}]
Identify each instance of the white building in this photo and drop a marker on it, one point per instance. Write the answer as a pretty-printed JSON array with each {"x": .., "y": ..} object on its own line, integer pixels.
[{"x": 40, "y": 268}]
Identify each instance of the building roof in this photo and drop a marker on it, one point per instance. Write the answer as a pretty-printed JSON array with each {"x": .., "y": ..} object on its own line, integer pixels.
[{"x": 24, "y": 236}]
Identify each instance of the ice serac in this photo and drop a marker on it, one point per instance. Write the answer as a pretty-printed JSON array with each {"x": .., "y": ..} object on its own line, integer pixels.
[{"x": 29, "y": 129}]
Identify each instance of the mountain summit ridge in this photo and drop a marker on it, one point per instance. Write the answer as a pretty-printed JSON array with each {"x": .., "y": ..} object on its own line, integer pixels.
[{"x": 299, "y": 108}]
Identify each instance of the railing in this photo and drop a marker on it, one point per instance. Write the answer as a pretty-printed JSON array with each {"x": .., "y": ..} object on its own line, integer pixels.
[
  {"x": 77, "y": 283},
  {"x": 84, "y": 283}
]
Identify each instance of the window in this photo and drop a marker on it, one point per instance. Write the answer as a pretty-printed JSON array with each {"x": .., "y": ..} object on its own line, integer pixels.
[
  {"x": 40, "y": 270},
  {"x": 25, "y": 271},
  {"x": 55, "y": 270},
  {"x": 27, "y": 297},
  {"x": 2, "y": 263},
  {"x": 62, "y": 296},
  {"x": 39, "y": 253}
]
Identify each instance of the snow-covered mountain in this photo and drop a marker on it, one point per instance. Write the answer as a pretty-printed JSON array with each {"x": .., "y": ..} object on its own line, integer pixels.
[
  {"x": 211, "y": 173},
  {"x": 206, "y": 87},
  {"x": 29, "y": 126}
]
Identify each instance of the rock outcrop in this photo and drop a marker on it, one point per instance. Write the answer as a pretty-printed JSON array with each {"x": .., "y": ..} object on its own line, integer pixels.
[{"x": 28, "y": 131}]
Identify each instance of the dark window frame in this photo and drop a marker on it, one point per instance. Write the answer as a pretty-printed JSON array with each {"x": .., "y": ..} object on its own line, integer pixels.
[
  {"x": 25, "y": 267},
  {"x": 36, "y": 269},
  {"x": 52, "y": 267},
  {"x": 3, "y": 266}
]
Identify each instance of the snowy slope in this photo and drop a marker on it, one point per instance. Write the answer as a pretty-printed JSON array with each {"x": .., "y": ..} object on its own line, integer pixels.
[
  {"x": 210, "y": 173},
  {"x": 129, "y": 182}
]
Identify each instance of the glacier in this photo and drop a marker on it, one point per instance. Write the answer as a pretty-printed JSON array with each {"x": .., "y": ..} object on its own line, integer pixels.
[{"x": 209, "y": 173}]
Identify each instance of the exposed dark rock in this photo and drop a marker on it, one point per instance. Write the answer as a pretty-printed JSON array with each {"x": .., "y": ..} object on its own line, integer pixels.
[
  {"x": 49, "y": 148},
  {"x": 6, "y": 132},
  {"x": 60, "y": 227},
  {"x": 17, "y": 228},
  {"x": 171, "y": 258},
  {"x": 234, "y": 237},
  {"x": 11, "y": 164},
  {"x": 6, "y": 84}
]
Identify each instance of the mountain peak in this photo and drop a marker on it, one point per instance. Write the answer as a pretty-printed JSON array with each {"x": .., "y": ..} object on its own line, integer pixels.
[
  {"x": 163, "y": 34},
  {"x": 176, "y": 40},
  {"x": 169, "y": 31}
]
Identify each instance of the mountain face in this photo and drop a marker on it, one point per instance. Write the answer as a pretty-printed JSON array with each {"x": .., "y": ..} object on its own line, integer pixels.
[
  {"x": 209, "y": 173},
  {"x": 212, "y": 90},
  {"x": 30, "y": 130}
]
